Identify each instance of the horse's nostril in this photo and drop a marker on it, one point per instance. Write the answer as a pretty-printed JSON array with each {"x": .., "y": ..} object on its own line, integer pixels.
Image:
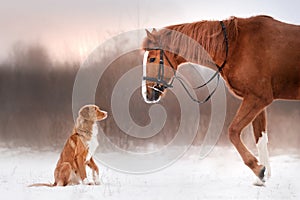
[
  {"x": 148, "y": 96},
  {"x": 156, "y": 94}
]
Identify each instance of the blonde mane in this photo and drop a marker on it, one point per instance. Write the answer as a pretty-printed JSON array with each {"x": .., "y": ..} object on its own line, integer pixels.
[{"x": 197, "y": 42}]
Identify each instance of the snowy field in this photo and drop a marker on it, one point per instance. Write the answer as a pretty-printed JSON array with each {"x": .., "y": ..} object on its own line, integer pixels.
[{"x": 221, "y": 175}]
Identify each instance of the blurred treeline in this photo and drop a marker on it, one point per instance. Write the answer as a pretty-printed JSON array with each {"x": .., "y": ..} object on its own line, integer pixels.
[
  {"x": 36, "y": 105},
  {"x": 35, "y": 97}
]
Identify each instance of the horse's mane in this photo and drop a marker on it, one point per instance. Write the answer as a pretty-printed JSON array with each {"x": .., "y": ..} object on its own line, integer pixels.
[{"x": 184, "y": 39}]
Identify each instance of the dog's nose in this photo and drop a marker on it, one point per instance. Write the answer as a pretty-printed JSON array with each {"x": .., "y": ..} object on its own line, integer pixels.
[{"x": 104, "y": 113}]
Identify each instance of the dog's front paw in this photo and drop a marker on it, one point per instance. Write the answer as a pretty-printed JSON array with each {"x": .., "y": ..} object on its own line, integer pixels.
[
  {"x": 85, "y": 182},
  {"x": 97, "y": 180}
]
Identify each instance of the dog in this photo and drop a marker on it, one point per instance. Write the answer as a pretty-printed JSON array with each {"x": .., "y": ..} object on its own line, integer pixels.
[{"x": 79, "y": 150}]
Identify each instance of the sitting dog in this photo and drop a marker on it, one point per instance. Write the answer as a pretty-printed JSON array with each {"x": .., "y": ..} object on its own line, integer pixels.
[{"x": 79, "y": 150}]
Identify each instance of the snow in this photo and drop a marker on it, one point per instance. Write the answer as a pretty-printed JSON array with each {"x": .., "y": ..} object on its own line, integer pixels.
[{"x": 221, "y": 175}]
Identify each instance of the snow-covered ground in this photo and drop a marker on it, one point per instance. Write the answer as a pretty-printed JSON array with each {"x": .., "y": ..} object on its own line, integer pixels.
[{"x": 221, "y": 175}]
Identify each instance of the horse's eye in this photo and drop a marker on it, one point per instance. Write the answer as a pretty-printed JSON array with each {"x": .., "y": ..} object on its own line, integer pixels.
[{"x": 151, "y": 60}]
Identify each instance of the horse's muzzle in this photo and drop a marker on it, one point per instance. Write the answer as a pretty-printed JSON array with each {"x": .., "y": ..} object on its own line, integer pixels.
[{"x": 155, "y": 93}]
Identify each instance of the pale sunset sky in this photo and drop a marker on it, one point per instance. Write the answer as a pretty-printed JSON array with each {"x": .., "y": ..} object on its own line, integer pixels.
[{"x": 72, "y": 28}]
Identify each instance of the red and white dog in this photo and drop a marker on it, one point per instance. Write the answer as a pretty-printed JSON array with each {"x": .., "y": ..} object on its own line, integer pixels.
[{"x": 79, "y": 150}]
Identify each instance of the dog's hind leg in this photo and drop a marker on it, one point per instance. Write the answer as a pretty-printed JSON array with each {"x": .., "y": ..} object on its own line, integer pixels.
[{"x": 62, "y": 174}]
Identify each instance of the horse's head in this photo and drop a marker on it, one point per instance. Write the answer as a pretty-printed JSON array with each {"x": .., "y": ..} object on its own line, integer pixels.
[{"x": 159, "y": 67}]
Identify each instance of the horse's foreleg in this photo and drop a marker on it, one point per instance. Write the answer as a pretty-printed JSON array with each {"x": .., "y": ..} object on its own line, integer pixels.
[
  {"x": 259, "y": 128},
  {"x": 249, "y": 109}
]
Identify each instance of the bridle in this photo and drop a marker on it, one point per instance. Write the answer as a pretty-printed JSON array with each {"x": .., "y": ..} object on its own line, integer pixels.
[{"x": 163, "y": 84}]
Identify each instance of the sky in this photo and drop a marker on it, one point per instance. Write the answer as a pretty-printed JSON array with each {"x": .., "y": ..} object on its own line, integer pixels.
[{"x": 72, "y": 28}]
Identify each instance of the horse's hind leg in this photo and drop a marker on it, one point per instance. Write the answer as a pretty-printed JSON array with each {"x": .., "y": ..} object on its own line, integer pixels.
[
  {"x": 249, "y": 109},
  {"x": 259, "y": 125},
  {"x": 259, "y": 128}
]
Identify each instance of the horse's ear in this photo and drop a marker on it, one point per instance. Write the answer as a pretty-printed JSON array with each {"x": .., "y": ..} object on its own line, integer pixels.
[
  {"x": 148, "y": 33},
  {"x": 154, "y": 30},
  {"x": 150, "y": 36}
]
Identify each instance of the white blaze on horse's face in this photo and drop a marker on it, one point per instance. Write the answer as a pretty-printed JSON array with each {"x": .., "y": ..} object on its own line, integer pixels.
[
  {"x": 145, "y": 85},
  {"x": 151, "y": 89}
]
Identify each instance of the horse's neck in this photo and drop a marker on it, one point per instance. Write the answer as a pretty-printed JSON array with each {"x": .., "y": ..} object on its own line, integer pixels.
[
  {"x": 210, "y": 36},
  {"x": 210, "y": 65}
]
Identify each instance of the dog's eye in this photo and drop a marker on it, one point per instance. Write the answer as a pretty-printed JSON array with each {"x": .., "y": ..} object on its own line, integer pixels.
[{"x": 151, "y": 60}]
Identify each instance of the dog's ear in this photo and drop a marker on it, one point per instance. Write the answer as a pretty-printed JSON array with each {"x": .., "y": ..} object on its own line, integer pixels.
[{"x": 84, "y": 112}]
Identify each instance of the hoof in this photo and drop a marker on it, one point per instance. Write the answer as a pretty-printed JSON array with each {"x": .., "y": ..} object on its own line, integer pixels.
[
  {"x": 97, "y": 183},
  {"x": 261, "y": 174},
  {"x": 259, "y": 182}
]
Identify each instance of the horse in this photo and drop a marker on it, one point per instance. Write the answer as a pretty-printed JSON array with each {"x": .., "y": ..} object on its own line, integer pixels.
[{"x": 258, "y": 58}]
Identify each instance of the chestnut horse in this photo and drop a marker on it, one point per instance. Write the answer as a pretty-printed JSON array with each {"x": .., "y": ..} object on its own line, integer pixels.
[{"x": 258, "y": 57}]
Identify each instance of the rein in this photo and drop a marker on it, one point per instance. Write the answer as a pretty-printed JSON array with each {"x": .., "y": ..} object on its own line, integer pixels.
[{"x": 165, "y": 85}]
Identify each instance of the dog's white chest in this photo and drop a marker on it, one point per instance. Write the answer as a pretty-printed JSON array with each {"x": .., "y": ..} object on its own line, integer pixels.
[{"x": 93, "y": 143}]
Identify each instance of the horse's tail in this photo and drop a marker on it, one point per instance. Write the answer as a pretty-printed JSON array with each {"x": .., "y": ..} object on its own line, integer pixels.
[{"x": 42, "y": 184}]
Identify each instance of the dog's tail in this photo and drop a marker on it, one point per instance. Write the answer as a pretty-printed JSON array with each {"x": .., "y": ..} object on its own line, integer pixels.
[{"x": 42, "y": 184}]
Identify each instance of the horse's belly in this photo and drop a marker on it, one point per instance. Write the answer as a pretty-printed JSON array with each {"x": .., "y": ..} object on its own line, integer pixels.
[
  {"x": 291, "y": 93},
  {"x": 286, "y": 85}
]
